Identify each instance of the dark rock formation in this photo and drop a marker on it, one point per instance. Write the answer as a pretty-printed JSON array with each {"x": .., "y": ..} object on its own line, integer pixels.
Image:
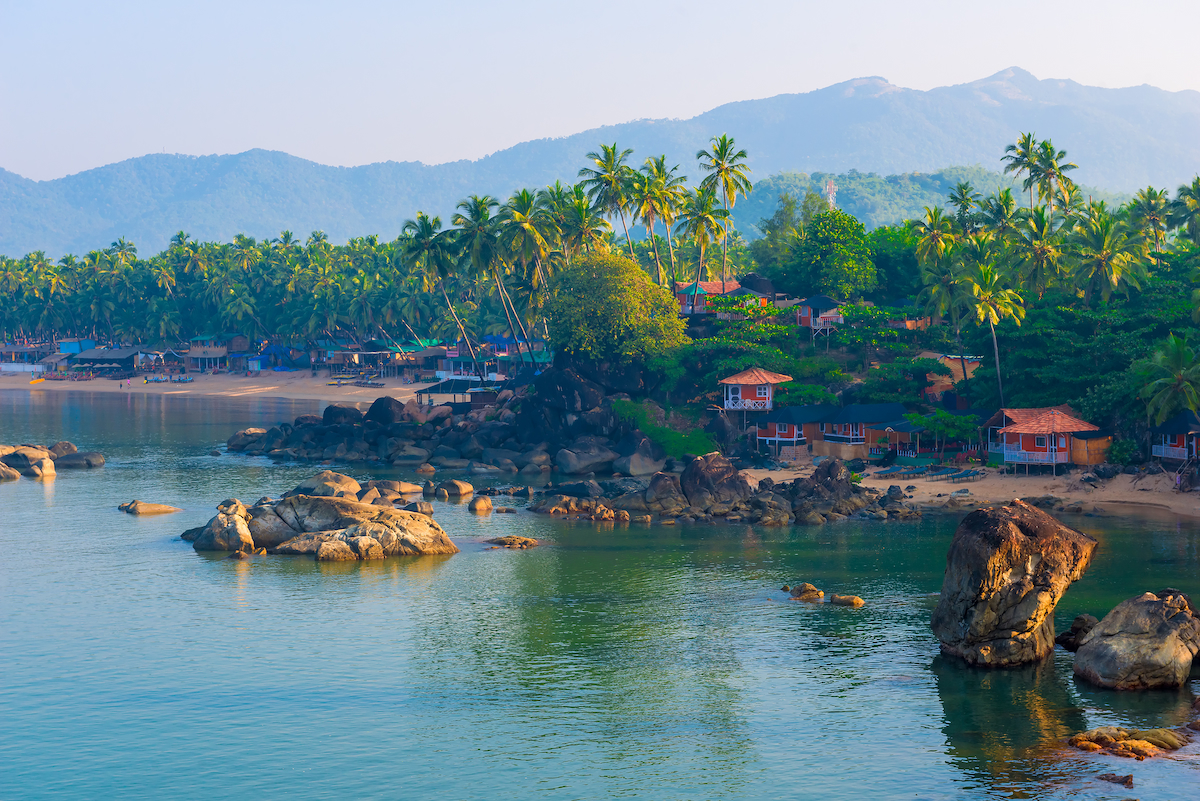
[
  {"x": 712, "y": 479},
  {"x": 1006, "y": 570},
  {"x": 567, "y": 390},
  {"x": 337, "y": 414},
  {"x": 1147, "y": 641},
  {"x": 1080, "y": 626}
]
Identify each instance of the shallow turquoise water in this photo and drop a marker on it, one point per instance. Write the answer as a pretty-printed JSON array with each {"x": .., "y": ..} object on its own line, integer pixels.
[{"x": 631, "y": 663}]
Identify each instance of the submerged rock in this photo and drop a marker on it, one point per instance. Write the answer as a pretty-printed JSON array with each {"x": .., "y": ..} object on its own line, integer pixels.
[
  {"x": 1148, "y": 641},
  {"x": 1006, "y": 570},
  {"x": 1132, "y": 743},
  {"x": 142, "y": 508},
  {"x": 513, "y": 541},
  {"x": 1080, "y": 626}
]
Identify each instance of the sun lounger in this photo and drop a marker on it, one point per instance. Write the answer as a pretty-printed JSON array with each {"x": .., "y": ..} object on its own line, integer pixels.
[
  {"x": 965, "y": 475},
  {"x": 912, "y": 473},
  {"x": 943, "y": 473},
  {"x": 889, "y": 471}
]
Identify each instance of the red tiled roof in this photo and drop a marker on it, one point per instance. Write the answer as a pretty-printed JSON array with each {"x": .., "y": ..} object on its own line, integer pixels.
[
  {"x": 1052, "y": 421},
  {"x": 756, "y": 375},
  {"x": 1015, "y": 416},
  {"x": 709, "y": 287}
]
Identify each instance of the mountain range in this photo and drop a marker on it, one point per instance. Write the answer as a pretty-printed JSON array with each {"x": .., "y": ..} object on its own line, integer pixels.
[{"x": 1122, "y": 139}]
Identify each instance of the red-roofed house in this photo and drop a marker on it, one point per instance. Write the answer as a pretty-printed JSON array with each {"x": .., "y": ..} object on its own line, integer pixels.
[
  {"x": 694, "y": 300},
  {"x": 752, "y": 390},
  {"x": 1050, "y": 436}
]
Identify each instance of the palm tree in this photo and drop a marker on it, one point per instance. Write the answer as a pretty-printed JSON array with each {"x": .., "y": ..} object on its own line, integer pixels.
[
  {"x": 1149, "y": 212},
  {"x": 645, "y": 196},
  {"x": 1185, "y": 210},
  {"x": 1172, "y": 376},
  {"x": 992, "y": 302},
  {"x": 935, "y": 235},
  {"x": 999, "y": 214},
  {"x": 1022, "y": 158},
  {"x": 1106, "y": 255},
  {"x": 703, "y": 221},
  {"x": 671, "y": 195},
  {"x": 1037, "y": 248},
  {"x": 1049, "y": 169},
  {"x": 965, "y": 199},
  {"x": 607, "y": 184},
  {"x": 430, "y": 252},
  {"x": 726, "y": 167},
  {"x": 583, "y": 225},
  {"x": 945, "y": 293}
]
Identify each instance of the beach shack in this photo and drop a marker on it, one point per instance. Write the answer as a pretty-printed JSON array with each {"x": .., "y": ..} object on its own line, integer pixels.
[
  {"x": 751, "y": 390},
  {"x": 791, "y": 426},
  {"x": 1175, "y": 439},
  {"x": 1041, "y": 436},
  {"x": 820, "y": 313},
  {"x": 844, "y": 433},
  {"x": 693, "y": 297}
]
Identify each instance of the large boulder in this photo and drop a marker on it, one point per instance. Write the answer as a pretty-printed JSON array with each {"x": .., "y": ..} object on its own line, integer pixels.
[
  {"x": 23, "y": 457},
  {"x": 336, "y": 414},
  {"x": 42, "y": 468},
  {"x": 267, "y": 528},
  {"x": 385, "y": 411},
  {"x": 328, "y": 484},
  {"x": 664, "y": 497},
  {"x": 567, "y": 390},
  {"x": 62, "y": 448},
  {"x": 712, "y": 479},
  {"x": 79, "y": 461},
  {"x": 640, "y": 455},
  {"x": 585, "y": 458},
  {"x": 225, "y": 532},
  {"x": 455, "y": 488},
  {"x": 7, "y": 473},
  {"x": 399, "y": 533},
  {"x": 1006, "y": 570},
  {"x": 143, "y": 508},
  {"x": 1147, "y": 641},
  {"x": 243, "y": 439}
]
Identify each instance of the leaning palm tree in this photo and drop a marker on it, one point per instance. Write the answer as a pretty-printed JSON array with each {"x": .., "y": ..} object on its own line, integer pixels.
[
  {"x": 703, "y": 221},
  {"x": 1185, "y": 210},
  {"x": 431, "y": 252},
  {"x": 1022, "y": 158},
  {"x": 671, "y": 195},
  {"x": 726, "y": 167},
  {"x": 992, "y": 302},
  {"x": 1172, "y": 376},
  {"x": 646, "y": 201},
  {"x": 607, "y": 183}
]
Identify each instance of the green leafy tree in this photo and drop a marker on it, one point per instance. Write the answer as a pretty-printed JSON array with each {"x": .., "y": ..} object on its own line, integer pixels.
[
  {"x": 833, "y": 257},
  {"x": 901, "y": 381},
  {"x": 605, "y": 306}
]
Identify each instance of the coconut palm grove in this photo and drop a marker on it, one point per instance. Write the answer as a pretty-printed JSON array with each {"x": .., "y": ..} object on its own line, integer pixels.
[{"x": 1071, "y": 300}]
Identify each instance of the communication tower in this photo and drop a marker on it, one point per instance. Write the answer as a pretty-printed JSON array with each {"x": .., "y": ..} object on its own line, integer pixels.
[{"x": 831, "y": 194}]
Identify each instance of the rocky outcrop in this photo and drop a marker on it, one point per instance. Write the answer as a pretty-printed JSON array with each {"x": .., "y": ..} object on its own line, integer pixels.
[
  {"x": 712, "y": 479},
  {"x": 7, "y": 473},
  {"x": 79, "y": 461},
  {"x": 1145, "y": 642},
  {"x": 304, "y": 524},
  {"x": 143, "y": 508},
  {"x": 1006, "y": 570},
  {"x": 1131, "y": 743},
  {"x": 456, "y": 489},
  {"x": 1080, "y": 626},
  {"x": 480, "y": 506},
  {"x": 515, "y": 542},
  {"x": 42, "y": 468},
  {"x": 328, "y": 484}
]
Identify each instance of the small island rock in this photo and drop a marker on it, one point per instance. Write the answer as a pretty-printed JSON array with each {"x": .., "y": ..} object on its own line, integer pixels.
[{"x": 1145, "y": 642}]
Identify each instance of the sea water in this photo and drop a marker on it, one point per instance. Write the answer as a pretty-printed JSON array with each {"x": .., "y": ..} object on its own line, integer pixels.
[{"x": 628, "y": 662}]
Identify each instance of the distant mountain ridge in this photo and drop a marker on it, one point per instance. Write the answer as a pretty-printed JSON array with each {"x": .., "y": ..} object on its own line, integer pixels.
[{"x": 1123, "y": 139}]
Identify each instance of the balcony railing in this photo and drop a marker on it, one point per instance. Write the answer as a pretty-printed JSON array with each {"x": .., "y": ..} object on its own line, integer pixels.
[
  {"x": 1169, "y": 452},
  {"x": 1035, "y": 457},
  {"x": 748, "y": 404},
  {"x": 847, "y": 439},
  {"x": 995, "y": 447}
]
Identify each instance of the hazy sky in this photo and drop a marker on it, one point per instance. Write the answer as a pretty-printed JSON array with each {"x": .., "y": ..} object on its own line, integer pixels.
[{"x": 85, "y": 82}]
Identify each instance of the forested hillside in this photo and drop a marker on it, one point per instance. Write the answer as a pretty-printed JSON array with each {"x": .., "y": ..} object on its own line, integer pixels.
[{"x": 1125, "y": 139}]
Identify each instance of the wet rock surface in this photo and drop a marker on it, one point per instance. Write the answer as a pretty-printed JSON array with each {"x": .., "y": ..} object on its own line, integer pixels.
[
  {"x": 43, "y": 461},
  {"x": 1006, "y": 570}
]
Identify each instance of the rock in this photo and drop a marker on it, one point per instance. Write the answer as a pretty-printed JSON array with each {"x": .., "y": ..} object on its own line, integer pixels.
[
  {"x": 225, "y": 532},
  {"x": 580, "y": 489},
  {"x": 79, "y": 461},
  {"x": 1152, "y": 468},
  {"x": 337, "y": 414},
  {"x": 409, "y": 454},
  {"x": 807, "y": 592},
  {"x": 638, "y": 465},
  {"x": 566, "y": 390},
  {"x": 481, "y": 505},
  {"x": 420, "y": 507},
  {"x": 335, "y": 550},
  {"x": 664, "y": 496},
  {"x": 368, "y": 495},
  {"x": 425, "y": 469},
  {"x": 713, "y": 479},
  {"x": 894, "y": 491},
  {"x": 62, "y": 449},
  {"x": 7, "y": 473},
  {"x": 455, "y": 488},
  {"x": 1125, "y": 781},
  {"x": 1106, "y": 471},
  {"x": 585, "y": 459},
  {"x": 512, "y": 541},
  {"x": 1007, "y": 568},
  {"x": 812, "y": 518},
  {"x": 846, "y": 600},
  {"x": 267, "y": 528},
  {"x": 42, "y": 468},
  {"x": 405, "y": 488},
  {"x": 328, "y": 484},
  {"x": 1080, "y": 626},
  {"x": 364, "y": 547},
  {"x": 140, "y": 508},
  {"x": 242, "y": 439},
  {"x": 1145, "y": 642},
  {"x": 1133, "y": 743},
  {"x": 386, "y": 410}
]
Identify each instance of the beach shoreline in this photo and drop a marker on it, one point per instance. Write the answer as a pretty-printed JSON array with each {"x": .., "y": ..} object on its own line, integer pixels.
[{"x": 296, "y": 385}]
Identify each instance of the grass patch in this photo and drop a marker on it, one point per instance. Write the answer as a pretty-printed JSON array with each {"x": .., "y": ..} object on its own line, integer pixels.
[{"x": 675, "y": 443}]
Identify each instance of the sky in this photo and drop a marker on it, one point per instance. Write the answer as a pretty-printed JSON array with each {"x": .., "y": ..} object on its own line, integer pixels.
[{"x": 85, "y": 83}]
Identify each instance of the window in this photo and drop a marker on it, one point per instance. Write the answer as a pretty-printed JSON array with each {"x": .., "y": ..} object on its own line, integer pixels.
[
  {"x": 783, "y": 429},
  {"x": 735, "y": 391},
  {"x": 1062, "y": 442},
  {"x": 1039, "y": 442},
  {"x": 822, "y": 428},
  {"x": 762, "y": 391}
]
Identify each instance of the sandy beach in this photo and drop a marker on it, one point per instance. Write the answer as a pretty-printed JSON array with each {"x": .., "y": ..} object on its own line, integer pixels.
[
  {"x": 299, "y": 385},
  {"x": 1142, "y": 496}
]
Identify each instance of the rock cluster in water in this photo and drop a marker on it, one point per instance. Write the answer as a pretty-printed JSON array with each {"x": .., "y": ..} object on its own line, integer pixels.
[
  {"x": 1145, "y": 642},
  {"x": 711, "y": 488},
  {"x": 325, "y": 517},
  {"x": 1006, "y": 570},
  {"x": 37, "y": 461},
  {"x": 1131, "y": 743},
  {"x": 808, "y": 592},
  {"x": 562, "y": 420}
]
